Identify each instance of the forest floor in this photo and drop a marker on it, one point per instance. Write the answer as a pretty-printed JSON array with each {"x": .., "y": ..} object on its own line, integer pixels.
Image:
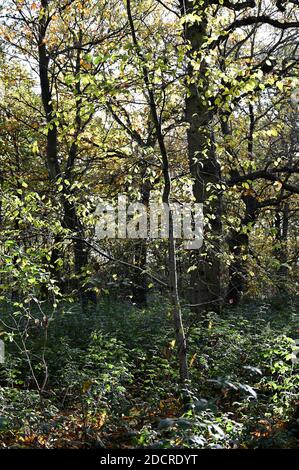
[{"x": 113, "y": 381}]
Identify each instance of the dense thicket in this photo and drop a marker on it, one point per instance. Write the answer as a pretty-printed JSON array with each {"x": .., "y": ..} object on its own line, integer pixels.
[{"x": 161, "y": 101}]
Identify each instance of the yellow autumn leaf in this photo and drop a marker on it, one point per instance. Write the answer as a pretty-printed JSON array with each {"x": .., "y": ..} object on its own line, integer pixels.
[
  {"x": 86, "y": 386},
  {"x": 192, "y": 360}
]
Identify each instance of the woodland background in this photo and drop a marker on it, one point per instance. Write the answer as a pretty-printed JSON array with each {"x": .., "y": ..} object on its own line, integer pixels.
[{"x": 141, "y": 343}]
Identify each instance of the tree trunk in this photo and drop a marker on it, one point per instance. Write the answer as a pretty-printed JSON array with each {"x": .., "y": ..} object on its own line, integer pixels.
[
  {"x": 139, "y": 288},
  {"x": 238, "y": 240},
  {"x": 281, "y": 249},
  {"x": 239, "y": 249},
  {"x": 70, "y": 219},
  {"x": 204, "y": 169},
  {"x": 173, "y": 282}
]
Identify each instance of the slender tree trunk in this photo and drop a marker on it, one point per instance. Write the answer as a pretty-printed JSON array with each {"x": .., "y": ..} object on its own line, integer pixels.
[
  {"x": 238, "y": 244},
  {"x": 281, "y": 250},
  {"x": 139, "y": 289},
  {"x": 238, "y": 240},
  {"x": 176, "y": 307},
  {"x": 173, "y": 282},
  {"x": 139, "y": 282}
]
